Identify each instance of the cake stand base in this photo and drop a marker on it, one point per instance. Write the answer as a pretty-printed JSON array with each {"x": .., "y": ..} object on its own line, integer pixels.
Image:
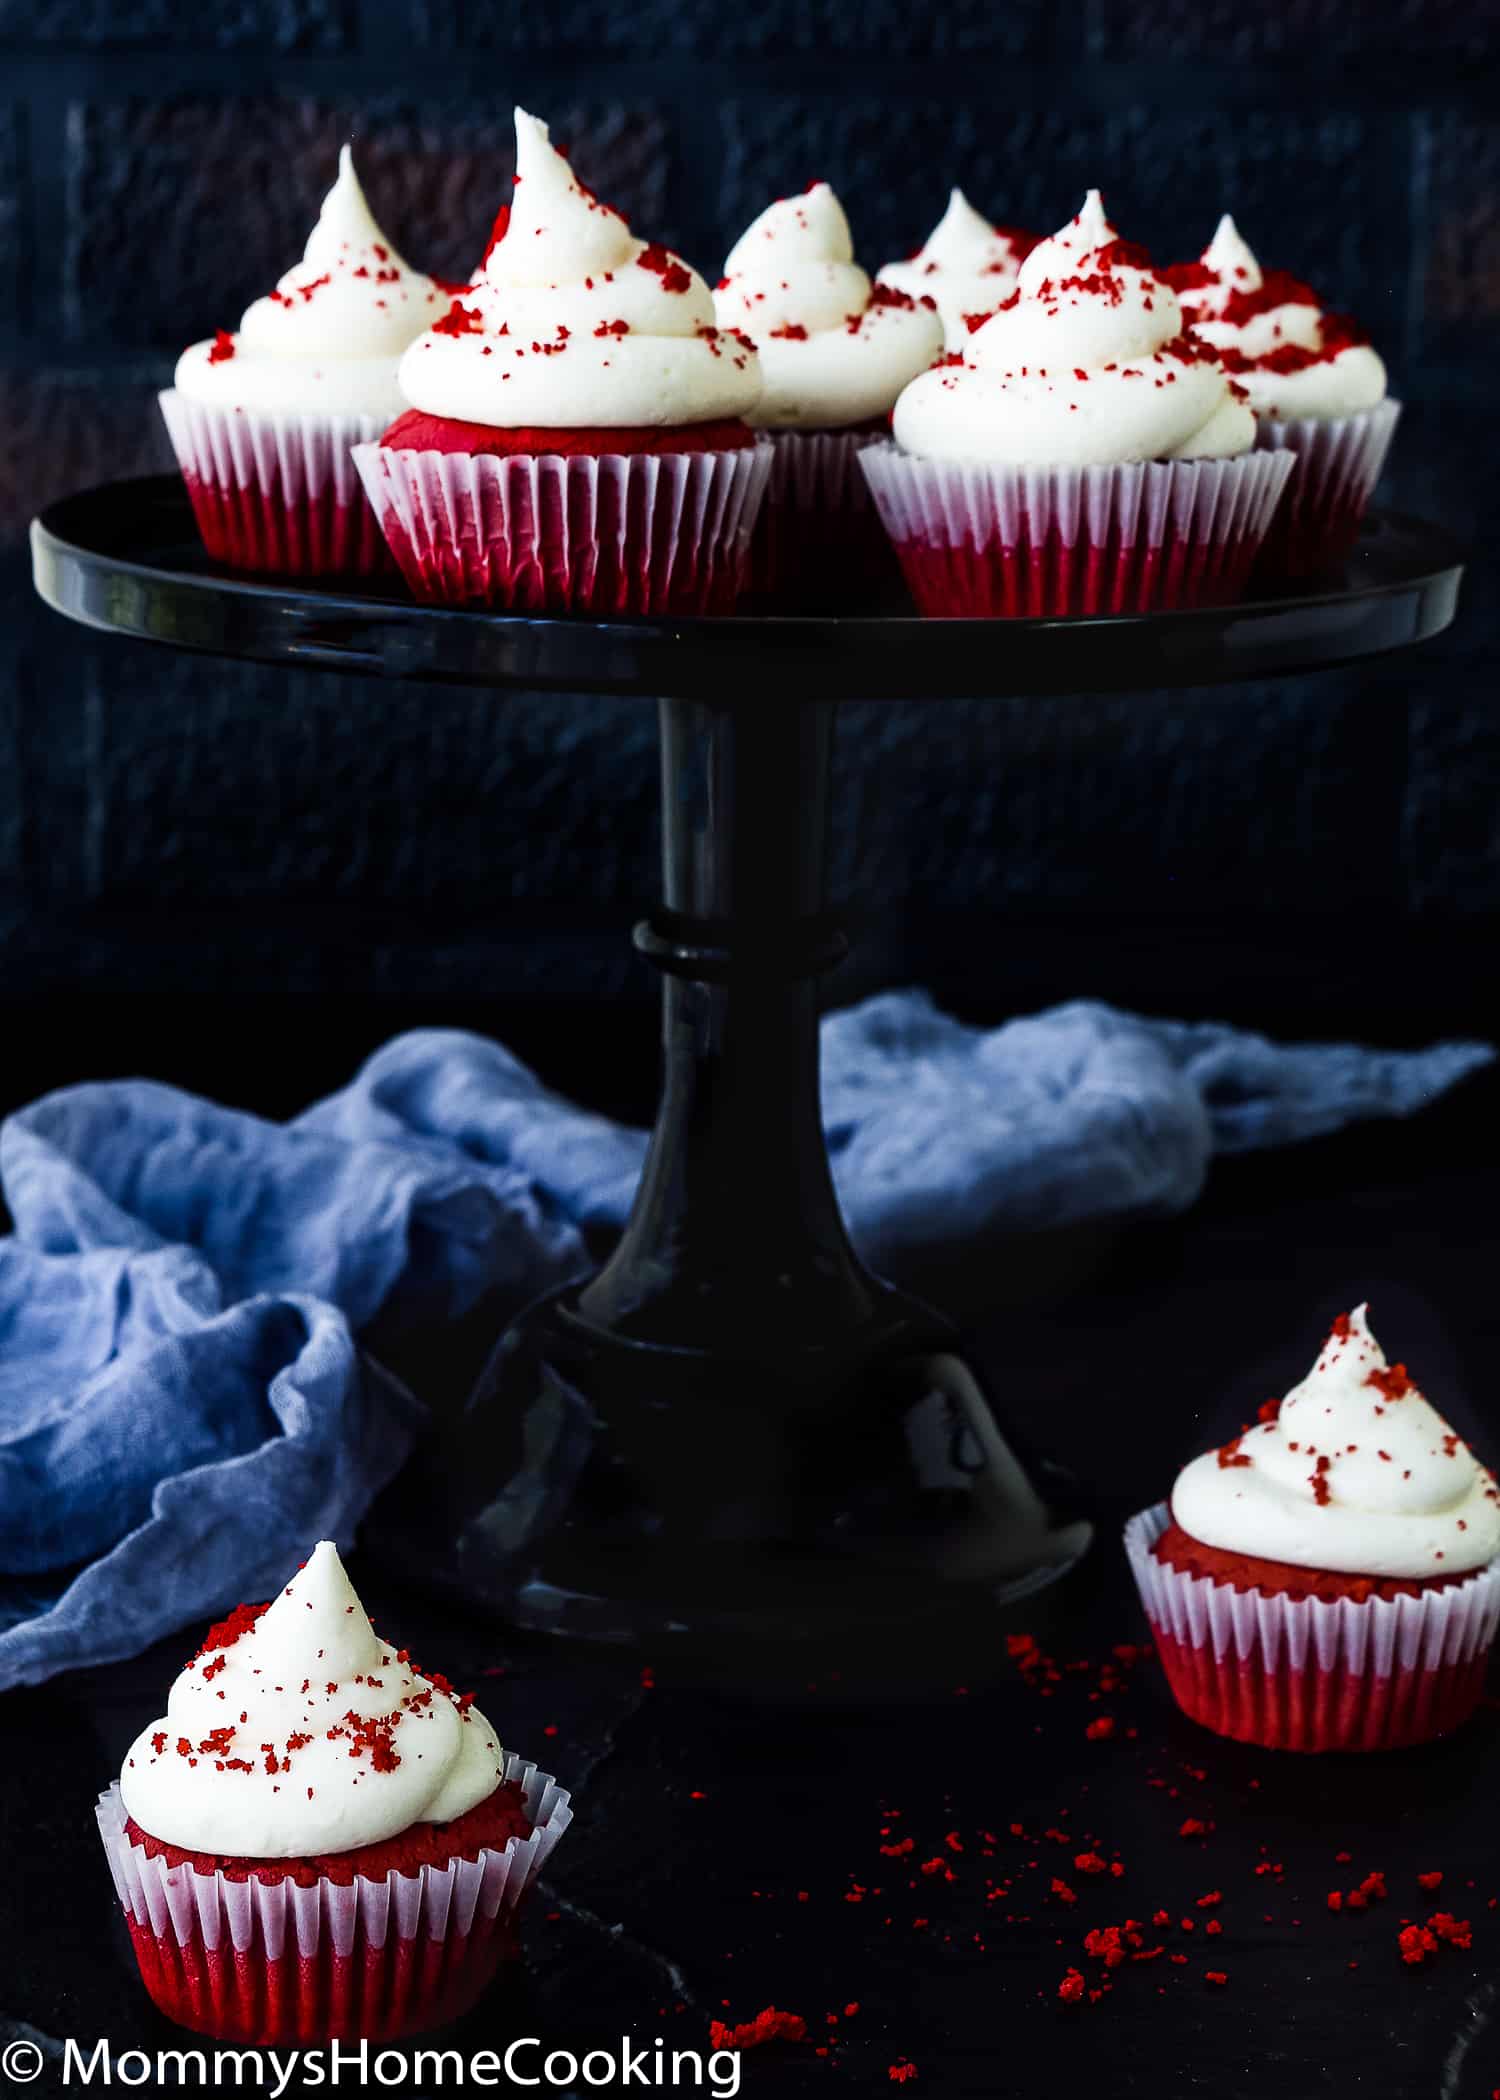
[{"x": 734, "y": 1434}]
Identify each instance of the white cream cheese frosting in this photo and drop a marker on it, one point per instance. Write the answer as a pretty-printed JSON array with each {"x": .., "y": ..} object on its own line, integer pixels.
[
  {"x": 835, "y": 350},
  {"x": 1290, "y": 356},
  {"x": 572, "y": 323},
  {"x": 329, "y": 338},
  {"x": 1089, "y": 364},
  {"x": 307, "y": 1734},
  {"x": 1357, "y": 1473},
  {"x": 966, "y": 265}
]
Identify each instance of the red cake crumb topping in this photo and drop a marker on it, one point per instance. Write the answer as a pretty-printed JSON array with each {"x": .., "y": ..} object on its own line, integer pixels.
[
  {"x": 1393, "y": 1384},
  {"x": 491, "y": 1822},
  {"x": 416, "y": 431},
  {"x": 1124, "y": 255},
  {"x": 459, "y": 320},
  {"x": 228, "y": 1631},
  {"x": 223, "y": 347},
  {"x": 1188, "y": 277},
  {"x": 663, "y": 264},
  {"x": 1273, "y": 1578}
]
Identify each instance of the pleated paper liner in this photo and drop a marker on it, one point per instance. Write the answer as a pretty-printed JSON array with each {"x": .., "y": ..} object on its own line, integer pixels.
[
  {"x": 277, "y": 495},
  {"x": 1312, "y": 1674},
  {"x": 991, "y": 542},
  {"x": 270, "y": 1963},
  {"x": 614, "y": 534},
  {"x": 1339, "y": 461},
  {"x": 820, "y": 545}
]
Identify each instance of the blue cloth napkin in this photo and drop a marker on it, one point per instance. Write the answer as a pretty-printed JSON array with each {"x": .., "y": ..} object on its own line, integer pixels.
[{"x": 184, "y": 1405}]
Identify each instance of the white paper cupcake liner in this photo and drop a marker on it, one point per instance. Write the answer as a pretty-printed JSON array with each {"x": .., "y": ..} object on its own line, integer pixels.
[
  {"x": 270, "y": 1961},
  {"x": 664, "y": 533},
  {"x": 1339, "y": 461},
  {"x": 277, "y": 493},
  {"x": 985, "y": 541},
  {"x": 1315, "y": 1673},
  {"x": 820, "y": 542}
]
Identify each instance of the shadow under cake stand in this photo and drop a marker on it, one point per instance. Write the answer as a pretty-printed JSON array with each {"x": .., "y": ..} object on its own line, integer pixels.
[{"x": 733, "y": 1433}]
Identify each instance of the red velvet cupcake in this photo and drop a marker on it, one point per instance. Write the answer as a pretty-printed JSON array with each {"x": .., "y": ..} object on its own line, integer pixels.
[
  {"x": 317, "y": 1842},
  {"x": 1318, "y": 390},
  {"x": 835, "y": 352},
  {"x": 1083, "y": 453},
  {"x": 576, "y": 440},
  {"x": 1327, "y": 1580},
  {"x": 264, "y": 421}
]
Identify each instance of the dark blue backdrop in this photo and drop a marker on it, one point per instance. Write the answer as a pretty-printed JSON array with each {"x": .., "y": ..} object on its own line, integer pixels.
[{"x": 243, "y": 879}]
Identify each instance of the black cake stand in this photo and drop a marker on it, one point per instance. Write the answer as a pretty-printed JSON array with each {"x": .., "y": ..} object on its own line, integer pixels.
[{"x": 733, "y": 1433}]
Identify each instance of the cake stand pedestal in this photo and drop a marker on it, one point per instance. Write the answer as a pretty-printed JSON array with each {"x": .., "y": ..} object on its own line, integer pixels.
[{"x": 733, "y": 1434}]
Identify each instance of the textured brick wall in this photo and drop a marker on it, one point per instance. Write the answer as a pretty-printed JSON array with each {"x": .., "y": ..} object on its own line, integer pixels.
[{"x": 159, "y": 165}]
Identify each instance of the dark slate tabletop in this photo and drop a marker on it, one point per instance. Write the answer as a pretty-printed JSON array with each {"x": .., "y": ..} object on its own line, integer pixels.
[{"x": 735, "y": 1852}]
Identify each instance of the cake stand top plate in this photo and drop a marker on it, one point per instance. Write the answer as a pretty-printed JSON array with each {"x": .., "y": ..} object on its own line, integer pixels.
[{"x": 126, "y": 558}]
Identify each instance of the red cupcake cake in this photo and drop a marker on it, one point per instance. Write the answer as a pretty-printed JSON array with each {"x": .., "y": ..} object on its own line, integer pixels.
[
  {"x": 1083, "y": 453},
  {"x": 1318, "y": 389},
  {"x": 835, "y": 351},
  {"x": 1328, "y": 1580},
  {"x": 317, "y": 1842},
  {"x": 574, "y": 440},
  {"x": 263, "y": 420}
]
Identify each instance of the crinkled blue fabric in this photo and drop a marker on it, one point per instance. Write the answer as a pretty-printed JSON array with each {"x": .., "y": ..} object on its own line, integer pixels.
[{"x": 184, "y": 1404}]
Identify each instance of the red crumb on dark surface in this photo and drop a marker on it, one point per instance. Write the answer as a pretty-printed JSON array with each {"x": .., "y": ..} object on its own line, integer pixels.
[{"x": 769, "y": 2025}]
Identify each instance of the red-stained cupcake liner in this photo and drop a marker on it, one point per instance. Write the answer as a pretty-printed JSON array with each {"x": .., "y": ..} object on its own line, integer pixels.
[
  {"x": 620, "y": 533},
  {"x": 1339, "y": 460},
  {"x": 1005, "y": 543},
  {"x": 277, "y": 494},
  {"x": 819, "y": 544},
  {"x": 270, "y": 1963},
  {"x": 1307, "y": 1673}
]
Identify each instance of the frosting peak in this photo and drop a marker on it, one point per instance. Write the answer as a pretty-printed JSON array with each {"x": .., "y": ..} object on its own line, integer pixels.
[
  {"x": 296, "y": 1730},
  {"x": 967, "y": 265},
  {"x": 346, "y": 232},
  {"x": 557, "y": 230},
  {"x": 328, "y": 338},
  {"x": 1087, "y": 364},
  {"x": 1228, "y": 256},
  {"x": 1354, "y": 1471},
  {"x": 572, "y": 323},
  {"x": 834, "y": 350}
]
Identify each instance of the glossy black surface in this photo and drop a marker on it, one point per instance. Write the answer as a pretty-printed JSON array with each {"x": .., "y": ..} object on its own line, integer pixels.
[{"x": 126, "y": 557}]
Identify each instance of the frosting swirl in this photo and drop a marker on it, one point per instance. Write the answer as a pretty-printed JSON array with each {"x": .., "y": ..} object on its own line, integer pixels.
[
  {"x": 331, "y": 334},
  {"x": 572, "y": 323},
  {"x": 1290, "y": 357},
  {"x": 968, "y": 266},
  {"x": 1088, "y": 363},
  {"x": 1356, "y": 1473},
  {"x": 834, "y": 349},
  {"x": 298, "y": 1730}
]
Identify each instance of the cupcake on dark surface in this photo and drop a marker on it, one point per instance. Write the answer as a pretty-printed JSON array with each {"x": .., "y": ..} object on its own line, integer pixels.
[
  {"x": 835, "y": 352},
  {"x": 263, "y": 421},
  {"x": 1084, "y": 453},
  {"x": 1328, "y": 1580},
  {"x": 966, "y": 266},
  {"x": 317, "y": 1841},
  {"x": 1316, "y": 384},
  {"x": 574, "y": 437}
]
